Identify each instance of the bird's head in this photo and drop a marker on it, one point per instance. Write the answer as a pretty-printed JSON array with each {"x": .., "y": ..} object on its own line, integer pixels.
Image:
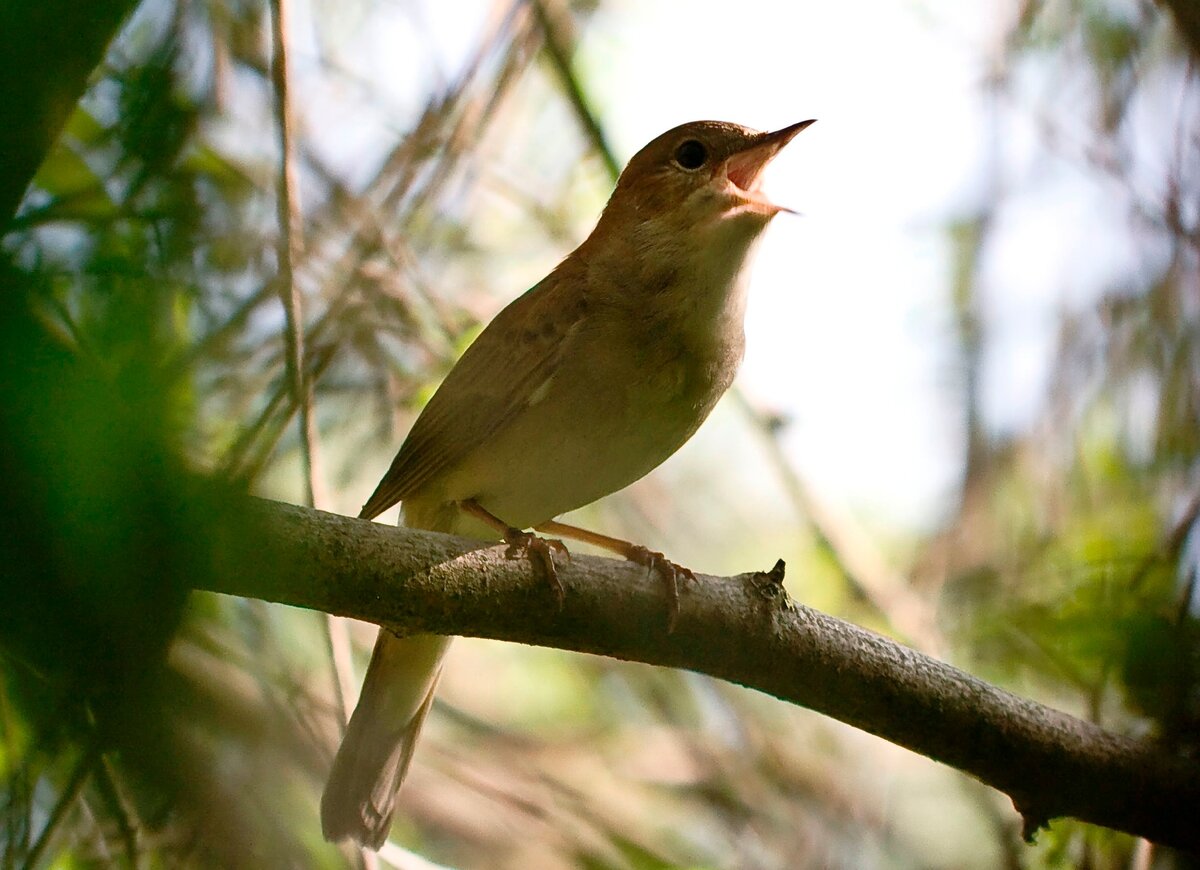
[{"x": 699, "y": 175}]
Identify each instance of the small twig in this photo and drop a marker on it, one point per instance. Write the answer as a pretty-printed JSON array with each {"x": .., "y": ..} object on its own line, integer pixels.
[
  {"x": 337, "y": 639},
  {"x": 290, "y": 247},
  {"x": 395, "y": 189},
  {"x": 560, "y": 50},
  {"x": 243, "y": 463},
  {"x": 66, "y": 801},
  {"x": 210, "y": 343},
  {"x": 111, "y": 792},
  {"x": 1169, "y": 549}
]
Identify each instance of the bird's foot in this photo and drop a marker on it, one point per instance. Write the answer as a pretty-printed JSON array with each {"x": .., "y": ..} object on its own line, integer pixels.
[
  {"x": 540, "y": 552},
  {"x": 668, "y": 571}
]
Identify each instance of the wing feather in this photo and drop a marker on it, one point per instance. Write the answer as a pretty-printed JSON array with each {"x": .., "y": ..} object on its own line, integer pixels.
[{"x": 494, "y": 381}]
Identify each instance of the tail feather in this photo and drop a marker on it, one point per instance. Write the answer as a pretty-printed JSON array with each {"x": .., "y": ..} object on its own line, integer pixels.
[{"x": 373, "y": 759}]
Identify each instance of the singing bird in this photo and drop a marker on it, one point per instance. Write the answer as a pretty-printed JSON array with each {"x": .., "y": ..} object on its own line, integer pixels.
[{"x": 575, "y": 390}]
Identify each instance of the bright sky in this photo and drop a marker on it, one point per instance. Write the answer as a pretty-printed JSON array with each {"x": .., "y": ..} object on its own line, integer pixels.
[
  {"x": 849, "y": 327},
  {"x": 848, "y": 308}
]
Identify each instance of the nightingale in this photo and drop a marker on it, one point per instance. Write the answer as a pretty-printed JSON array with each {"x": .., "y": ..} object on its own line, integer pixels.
[{"x": 576, "y": 389}]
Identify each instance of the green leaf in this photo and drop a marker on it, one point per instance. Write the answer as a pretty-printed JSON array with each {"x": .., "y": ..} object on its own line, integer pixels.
[{"x": 66, "y": 174}]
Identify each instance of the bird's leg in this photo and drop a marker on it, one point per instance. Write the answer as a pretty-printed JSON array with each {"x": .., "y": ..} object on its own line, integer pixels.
[
  {"x": 651, "y": 559},
  {"x": 539, "y": 551}
]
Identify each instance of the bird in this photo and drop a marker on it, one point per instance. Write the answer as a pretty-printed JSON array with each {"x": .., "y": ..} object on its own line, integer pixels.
[{"x": 579, "y": 387}]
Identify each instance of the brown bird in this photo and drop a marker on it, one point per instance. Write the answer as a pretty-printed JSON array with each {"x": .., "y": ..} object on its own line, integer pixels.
[{"x": 575, "y": 390}]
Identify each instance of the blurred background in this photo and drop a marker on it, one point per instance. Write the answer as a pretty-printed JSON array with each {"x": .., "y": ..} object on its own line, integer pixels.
[{"x": 968, "y": 416}]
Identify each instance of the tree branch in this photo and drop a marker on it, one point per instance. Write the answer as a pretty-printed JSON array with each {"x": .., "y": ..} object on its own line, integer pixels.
[{"x": 741, "y": 629}]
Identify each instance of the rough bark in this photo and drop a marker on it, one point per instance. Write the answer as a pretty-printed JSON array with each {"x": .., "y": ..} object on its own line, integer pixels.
[{"x": 742, "y": 629}]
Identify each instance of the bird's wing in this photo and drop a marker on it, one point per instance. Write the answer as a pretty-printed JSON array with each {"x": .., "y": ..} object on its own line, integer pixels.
[{"x": 496, "y": 379}]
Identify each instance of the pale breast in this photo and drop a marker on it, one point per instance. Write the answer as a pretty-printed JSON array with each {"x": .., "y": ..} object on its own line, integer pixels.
[
  {"x": 641, "y": 372},
  {"x": 616, "y": 409}
]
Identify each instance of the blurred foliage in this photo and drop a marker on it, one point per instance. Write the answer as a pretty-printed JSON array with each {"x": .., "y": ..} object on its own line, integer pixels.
[{"x": 144, "y": 390}]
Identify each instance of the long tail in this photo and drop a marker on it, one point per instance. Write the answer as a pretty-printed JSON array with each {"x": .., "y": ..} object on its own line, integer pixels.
[{"x": 375, "y": 753}]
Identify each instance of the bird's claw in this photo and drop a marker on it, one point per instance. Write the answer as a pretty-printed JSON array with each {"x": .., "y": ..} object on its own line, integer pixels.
[
  {"x": 670, "y": 572},
  {"x": 539, "y": 551}
]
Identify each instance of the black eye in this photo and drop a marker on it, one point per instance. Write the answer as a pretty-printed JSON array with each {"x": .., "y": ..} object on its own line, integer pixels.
[{"x": 691, "y": 154}]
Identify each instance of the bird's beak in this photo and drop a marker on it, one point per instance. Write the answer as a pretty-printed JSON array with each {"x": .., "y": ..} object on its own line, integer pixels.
[{"x": 744, "y": 167}]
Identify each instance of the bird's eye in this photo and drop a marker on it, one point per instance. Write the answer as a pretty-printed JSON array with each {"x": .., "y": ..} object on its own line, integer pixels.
[{"x": 691, "y": 154}]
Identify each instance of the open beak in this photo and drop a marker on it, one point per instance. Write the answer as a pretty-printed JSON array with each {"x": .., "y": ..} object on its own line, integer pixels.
[{"x": 744, "y": 168}]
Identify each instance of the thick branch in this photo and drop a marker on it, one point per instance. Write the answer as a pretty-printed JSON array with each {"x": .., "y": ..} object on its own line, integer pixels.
[{"x": 1051, "y": 764}]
